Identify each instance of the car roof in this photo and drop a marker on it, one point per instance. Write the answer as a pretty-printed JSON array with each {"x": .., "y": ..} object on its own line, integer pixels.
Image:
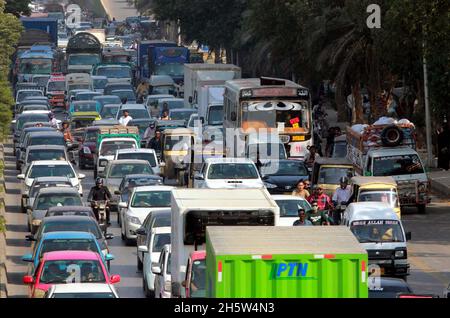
[
  {"x": 287, "y": 197},
  {"x": 163, "y": 230},
  {"x": 154, "y": 189},
  {"x": 51, "y": 162},
  {"x": 135, "y": 176},
  {"x": 87, "y": 288},
  {"x": 106, "y": 97},
  {"x": 163, "y": 100},
  {"x": 374, "y": 180},
  {"x": 142, "y": 150},
  {"x": 70, "y": 255},
  {"x": 64, "y": 190},
  {"x": 46, "y": 147},
  {"x": 179, "y": 110},
  {"x": 69, "y": 218},
  {"x": 68, "y": 235},
  {"x": 46, "y": 133},
  {"x": 70, "y": 209},
  {"x": 227, "y": 160},
  {"x": 133, "y": 106},
  {"x": 362, "y": 211},
  {"x": 398, "y": 151},
  {"x": 52, "y": 179},
  {"x": 128, "y": 161},
  {"x": 333, "y": 161}
]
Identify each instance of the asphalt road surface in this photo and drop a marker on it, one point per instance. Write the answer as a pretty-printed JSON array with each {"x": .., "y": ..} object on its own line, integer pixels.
[
  {"x": 119, "y": 9},
  {"x": 429, "y": 251}
]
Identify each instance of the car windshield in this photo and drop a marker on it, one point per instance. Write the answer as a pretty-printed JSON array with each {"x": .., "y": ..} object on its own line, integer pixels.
[
  {"x": 91, "y": 136},
  {"x": 72, "y": 271},
  {"x": 109, "y": 112},
  {"x": 115, "y": 72},
  {"x": 57, "y": 86},
  {"x": 163, "y": 90},
  {"x": 83, "y": 97},
  {"x": 171, "y": 104},
  {"x": 232, "y": 171},
  {"x": 163, "y": 221},
  {"x": 34, "y": 107},
  {"x": 87, "y": 225},
  {"x": 37, "y": 186},
  {"x": 138, "y": 114},
  {"x": 118, "y": 171},
  {"x": 84, "y": 59},
  {"x": 55, "y": 245},
  {"x": 150, "y": 157},
  {"x": 100, "y": 83},
  {"x": 84, "y": 295},
  {"x": 35, "y": 118},
  {"x": 378, "y": 231},
  {"x": 289, "y": 208},
  {"x": 340, "y": 150},
  {"x": 215, "y": 117},
  {"x": 50, "y": 140},
  {"x": 272, "y": 151},
  {"x": 159, "y": 241},
  {"x": 333, "y": 175},
  {"x": 181, "y": 115},
  {"x": 129, "y": 95},
  {"x": 42, "y": 154},
  {"x": 24, "y": 94},
  {"x": 35, "y": 66},
  {"x": 291, "y": 168},
  {"x": 46, "y": 201},
  {"x": 109, "y": 148},
  {"x": 198, "y": 279},
  {"x": 170, "y": 69},
  {"x": 152, "y": 199},
  {"x": 389, "y": 197},
  {"x": 397, "y": 166},
  {"x": 39, "y": 171},
  {"x": 85, "y": 107},
  {"x": 108, "y": 100}
]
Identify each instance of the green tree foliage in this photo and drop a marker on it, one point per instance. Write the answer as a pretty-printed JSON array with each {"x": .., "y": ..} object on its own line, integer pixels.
[
  {"x": 18, "y": 7},
  {"x": 10, "y": 29}
]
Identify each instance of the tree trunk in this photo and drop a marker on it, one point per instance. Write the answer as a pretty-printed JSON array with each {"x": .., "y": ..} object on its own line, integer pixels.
[
  {"x": 358, "y": 114},
  {"x": 341, "y": 104}
]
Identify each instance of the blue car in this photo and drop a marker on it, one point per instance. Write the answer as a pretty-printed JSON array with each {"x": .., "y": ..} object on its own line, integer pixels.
[
  {"x": 64, "y": 241},
  {"x": 85, "y": 107}
]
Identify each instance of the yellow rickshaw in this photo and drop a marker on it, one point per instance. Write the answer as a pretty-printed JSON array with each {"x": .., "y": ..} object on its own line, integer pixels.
[
  {"x": 177, "y": 147},
  {"x": 327, "y": 173},
  {"x": 376, "y": 189}
]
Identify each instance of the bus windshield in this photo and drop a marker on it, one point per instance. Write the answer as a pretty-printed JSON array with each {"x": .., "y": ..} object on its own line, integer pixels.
[
  {"x": 276, "y": 114},
  {"x": 35, "y": 66},
  {"x": 170, "y": 69},
  {"x": 84, "y": 59},
  {"x": 114, "y": 72}
]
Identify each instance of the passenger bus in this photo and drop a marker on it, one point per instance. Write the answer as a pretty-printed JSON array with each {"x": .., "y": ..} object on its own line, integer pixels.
[
  {"x": 32, "y": 63},
  {"x": 273, "y": 105}
]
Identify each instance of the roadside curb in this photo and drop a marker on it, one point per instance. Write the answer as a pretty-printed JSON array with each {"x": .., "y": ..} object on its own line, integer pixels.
[
  {"x": 3, "y": 271},
  {"x": 440, "y": 188}
]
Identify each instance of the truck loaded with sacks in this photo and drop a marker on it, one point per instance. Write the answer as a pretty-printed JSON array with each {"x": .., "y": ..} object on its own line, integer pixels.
[{"x": 388, "y": 148}]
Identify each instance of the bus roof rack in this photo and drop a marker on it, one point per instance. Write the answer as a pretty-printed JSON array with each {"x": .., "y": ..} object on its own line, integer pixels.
[{"x": 269, "y": 81}]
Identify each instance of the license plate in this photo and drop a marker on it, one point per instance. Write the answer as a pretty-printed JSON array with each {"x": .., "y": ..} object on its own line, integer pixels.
[{"x": 298, "y": 138}]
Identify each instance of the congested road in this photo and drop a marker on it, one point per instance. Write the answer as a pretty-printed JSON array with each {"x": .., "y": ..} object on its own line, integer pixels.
[
  {"x": 119, "y": 9},
  {"x": 429, "y": 251}
]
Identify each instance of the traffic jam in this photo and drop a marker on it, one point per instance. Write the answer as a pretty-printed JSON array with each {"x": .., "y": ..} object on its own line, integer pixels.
[{"x": 220, "y": 185}]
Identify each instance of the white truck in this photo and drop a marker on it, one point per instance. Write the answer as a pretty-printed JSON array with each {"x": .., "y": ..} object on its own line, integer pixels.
[
  {"x": 193, "y": 210},
  {"x": 204, "y": 86},
  {"x": 390, "y": 150}
]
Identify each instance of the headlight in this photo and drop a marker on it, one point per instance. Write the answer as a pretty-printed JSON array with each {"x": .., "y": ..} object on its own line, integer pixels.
[
  {"x": 270, "y": 185},
  {"x": 87, "y": 150},
  {"x": 400, "y": 254},
  {"x": 133, "y": 220},
  {"x": 422, "y": 187},
  {"x": 168, "y": 286}
]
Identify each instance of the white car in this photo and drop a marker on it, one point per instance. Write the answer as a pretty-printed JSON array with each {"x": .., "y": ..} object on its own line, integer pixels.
[
  {"x": 159, "y": 238},
  {"x": 39, "y": 169},
  {"x": 82, "y": 291},
  {"x": 140, "y": 154},
  {"x": 163, "y": 279},
  {"x": 228, "y": 173},
  {"x": 142, "y": 201},
  {"x": 289, "y": 206}
]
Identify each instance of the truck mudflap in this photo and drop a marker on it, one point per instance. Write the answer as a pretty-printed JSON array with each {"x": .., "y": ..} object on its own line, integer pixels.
[{"x": 412, "y": 193}]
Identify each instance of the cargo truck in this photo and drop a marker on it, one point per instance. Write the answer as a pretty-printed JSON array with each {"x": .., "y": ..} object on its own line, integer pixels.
[
  {"x": 143, "y": 55},
  {"x": 194, "y": 210},
  {"x": 83, "y": 52},
  {"x": 48, "y": 25},
  {"x": 390, "y": 150},
  {"x": 285, "y": 262}
]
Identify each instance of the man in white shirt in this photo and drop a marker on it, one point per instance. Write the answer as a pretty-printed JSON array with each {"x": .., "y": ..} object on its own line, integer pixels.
[
  {"x": 342, "y": 193},
  {"x": 125, "y": 119}
]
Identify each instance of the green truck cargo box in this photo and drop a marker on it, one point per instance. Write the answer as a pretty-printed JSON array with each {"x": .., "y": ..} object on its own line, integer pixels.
[{"x": 285, "y": 262}]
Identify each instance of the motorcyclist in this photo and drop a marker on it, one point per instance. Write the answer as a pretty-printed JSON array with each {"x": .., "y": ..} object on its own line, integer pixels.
[
  {"x": 156, "y": 142},
  {"x": 142, "y": 90},
  {"x": 100, "y": 193},
  {"x": 317, "y": 216},
  {"x": 53, "y": 121},
  {"x": 66, "y": 131},
  {"x": 341, "y": 197}
]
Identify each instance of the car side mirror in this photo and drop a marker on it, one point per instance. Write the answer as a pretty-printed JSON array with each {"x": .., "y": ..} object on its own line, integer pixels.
[
  {"x": 143, "y": 249},
  {"x": 81, "y": 176},
  {"x": 156, "y": 270},
  {"x": 109, "y": 257},
  {"x": 28, "y": 280},
  {"x": 123, "y": 205},
  {"x": 21, "y": 177},
  {"x": 199, "y": 177},
  {"x": 141, "y": 231},
  {"x": 408, "y": 236},
  {"x": 30, "y": 238},
  {"x": 115, "y": 279},
  {"x": 27, "y": 258},
  {"x": 109, "y": 236}
]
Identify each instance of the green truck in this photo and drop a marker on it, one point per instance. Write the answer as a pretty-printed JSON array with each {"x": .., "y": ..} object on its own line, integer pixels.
[{"x": 285, "y": 262}]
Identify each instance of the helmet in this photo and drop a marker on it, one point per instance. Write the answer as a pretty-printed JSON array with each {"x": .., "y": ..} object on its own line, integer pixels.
[
  {"x": 99, "y": 181},
  {"x": 344, "y": 180}
]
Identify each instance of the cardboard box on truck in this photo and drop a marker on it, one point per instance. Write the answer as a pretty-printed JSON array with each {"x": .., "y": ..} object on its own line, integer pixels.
[
  {"x": 193, "y": 210},
  {"x": 285, "y": 262}
]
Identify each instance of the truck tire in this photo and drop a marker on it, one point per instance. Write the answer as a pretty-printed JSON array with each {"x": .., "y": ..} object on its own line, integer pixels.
[
  {"x": 422, "y": 208},
  {"x": 392, "y": 136}
]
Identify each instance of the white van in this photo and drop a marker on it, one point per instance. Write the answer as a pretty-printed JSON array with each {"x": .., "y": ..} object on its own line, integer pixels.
[
  {"x": 228, "y": 173},
  {"x": 380, "y": 231}
]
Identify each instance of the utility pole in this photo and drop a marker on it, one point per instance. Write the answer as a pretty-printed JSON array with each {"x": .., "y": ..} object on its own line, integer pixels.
[{"x": 427, "y": 112}]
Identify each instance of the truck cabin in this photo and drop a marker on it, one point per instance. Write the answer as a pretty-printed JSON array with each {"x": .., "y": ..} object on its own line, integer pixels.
[
  {"x": 83, "y": 52},
  {"x": 35, "y": 63},
  {"x": 195, "y": 283},
  {"x": 116, "y": 55}
]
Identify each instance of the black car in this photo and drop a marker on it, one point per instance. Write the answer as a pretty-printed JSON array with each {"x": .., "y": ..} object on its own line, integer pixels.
[
  {"x": 70, "y": 211},
  {"x": 388, "y": 287},
  {"x": 281, "y": 176}
]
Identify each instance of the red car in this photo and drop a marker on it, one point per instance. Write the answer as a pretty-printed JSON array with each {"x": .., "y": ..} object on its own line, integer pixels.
[
  {"x": 65, "y": 267},
  {"x": 88, "y": 146}
]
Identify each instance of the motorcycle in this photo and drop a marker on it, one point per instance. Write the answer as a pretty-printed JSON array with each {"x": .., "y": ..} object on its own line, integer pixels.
[
  {"x": 101, "y": 207},
  {"x": 338, "y": 212}
]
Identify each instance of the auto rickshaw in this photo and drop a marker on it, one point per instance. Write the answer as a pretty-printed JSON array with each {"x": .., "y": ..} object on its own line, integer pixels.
[
  {"x": 80, "y": 121},
  {"x": 376, "y": 189},
  {"x": 178, "y": 154},
  {"x": 327, "y": 173}
]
